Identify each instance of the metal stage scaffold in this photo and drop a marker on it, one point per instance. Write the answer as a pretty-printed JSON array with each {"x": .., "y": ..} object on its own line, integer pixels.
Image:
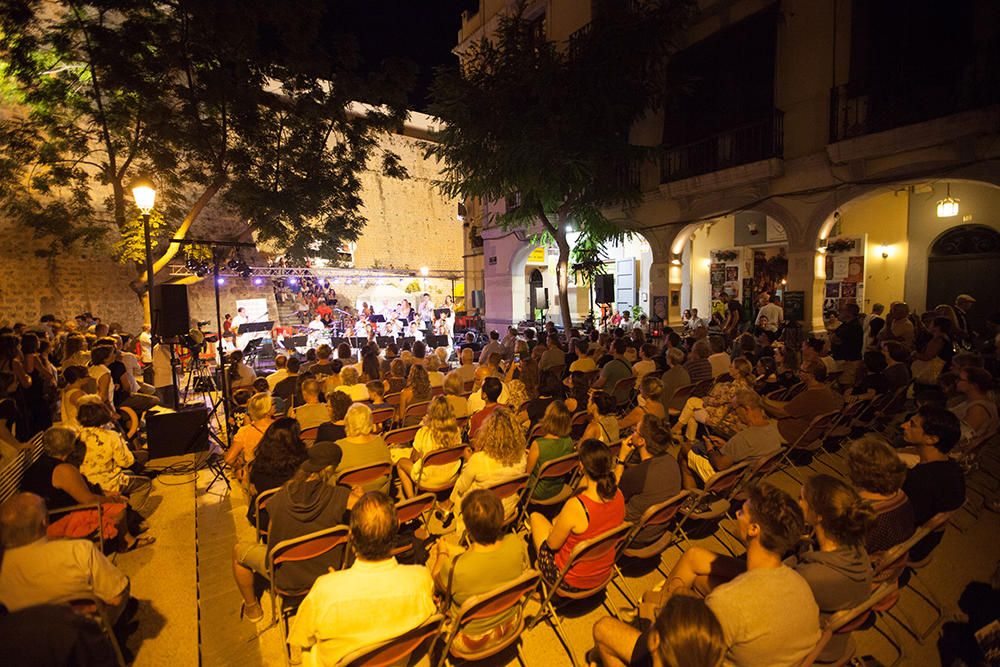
[{"x": 335, "y": 274}]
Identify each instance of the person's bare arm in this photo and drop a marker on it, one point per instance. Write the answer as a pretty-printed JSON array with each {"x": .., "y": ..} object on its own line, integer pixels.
[
  {"x": 532, "y": 456},
  {"x": 775, "y": 408},
  {"x": 67, "y": 478},
  {"x": 571, "y": 519}
]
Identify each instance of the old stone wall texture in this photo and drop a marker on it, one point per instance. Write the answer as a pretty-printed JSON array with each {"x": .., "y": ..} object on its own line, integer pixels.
[{"x": 410, "y": 225}]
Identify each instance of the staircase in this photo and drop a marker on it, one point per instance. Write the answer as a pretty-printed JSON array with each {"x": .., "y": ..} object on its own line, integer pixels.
[{"x": 286, "y": 314}]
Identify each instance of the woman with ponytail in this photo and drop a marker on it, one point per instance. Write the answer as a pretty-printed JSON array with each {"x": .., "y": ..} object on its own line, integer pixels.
[
  {"x": 836, "y": 567},
  {"x": 596, "y": 509}
]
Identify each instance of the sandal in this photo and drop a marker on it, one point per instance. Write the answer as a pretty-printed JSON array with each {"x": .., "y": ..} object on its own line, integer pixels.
[
  {"x": 140, "y": 542},
  {"x": 245, "y": 614}
]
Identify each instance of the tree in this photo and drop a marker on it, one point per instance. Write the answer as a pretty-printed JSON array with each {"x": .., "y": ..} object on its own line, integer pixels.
[
  {"x": 239, "y": 101},
  {"x": 547, "y": 125}
]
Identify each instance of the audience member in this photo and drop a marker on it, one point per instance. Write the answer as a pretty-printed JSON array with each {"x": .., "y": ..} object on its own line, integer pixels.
[
  {"x": 647, "y": 403},
  {"x": 36, "y": 570},
  {"x": 716, "y": 409},
  {"x": 311, "y": 413},
  {"x": 603, "y": 426},
  {"x": 338, "y": 403},
  {"x": 373, "y": 600},
  {"x": 554, "y": 441},
  {"x": 878, "y": 475},
  {"x": 304, "y": 504},
  {"x": 698, "y": 366},
  {"x": 654, "y": 478},
  {"x": 107, "y": 457},
  {"x": 816, "y": 399},
  {"x": 362, "y": 447},
  {"x": 438, "y": 430}
]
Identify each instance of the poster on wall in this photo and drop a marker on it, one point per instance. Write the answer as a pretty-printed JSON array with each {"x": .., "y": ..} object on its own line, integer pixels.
[
  {"x": 732, "y": 274},
  {"x": 794, "y": 303},
  {"x": 660, "y": 309},
  {"x": 845, "y": 273}
]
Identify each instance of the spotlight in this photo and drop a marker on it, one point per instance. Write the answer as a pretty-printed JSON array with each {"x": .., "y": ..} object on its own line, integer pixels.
[
  {"x": 293, "y": 280},
  {"x": 246, "y": 272},
  {"x": 234, "y": 264},
  {"x": 220, "y": 280},
  {"x": 191, "y": 264},
  {"x": 258, "y": 281}
]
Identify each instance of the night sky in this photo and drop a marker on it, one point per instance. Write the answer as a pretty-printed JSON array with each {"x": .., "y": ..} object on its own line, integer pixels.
[{"x": 423, "y": 31}]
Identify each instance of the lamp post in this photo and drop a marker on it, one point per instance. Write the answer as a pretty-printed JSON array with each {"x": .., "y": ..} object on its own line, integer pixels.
[{"x": 144, "y": 194}]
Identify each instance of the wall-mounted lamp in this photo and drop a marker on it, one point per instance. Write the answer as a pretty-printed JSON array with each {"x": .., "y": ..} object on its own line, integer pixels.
[
  {"x": 676, "y": 260},
  {"x": 752, "y": 228},
  {"x": 821, "y": 245},
  {"x": 707, "y": 262},
  {"x": 884, "y": 251},
  {"x": 784, "y": 282},
  {"x": 947, "y": 207}
]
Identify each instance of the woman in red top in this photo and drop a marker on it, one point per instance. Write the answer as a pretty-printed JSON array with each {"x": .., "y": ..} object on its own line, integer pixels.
[{"x": 595, "y": 510}]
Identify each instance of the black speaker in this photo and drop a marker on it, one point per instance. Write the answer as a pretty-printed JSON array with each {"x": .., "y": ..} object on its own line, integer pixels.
[
  {"x": 478, "y": 299},
  {"x": 177, "y": 433},
  {"x": 541, "y": 298},
  {"x": 604, "y": 288},
  {"x": 170, "y": 311}
]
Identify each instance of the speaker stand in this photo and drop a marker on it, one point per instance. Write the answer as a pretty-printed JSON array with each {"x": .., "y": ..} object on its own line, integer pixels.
[{"x": 214, "y": 464}]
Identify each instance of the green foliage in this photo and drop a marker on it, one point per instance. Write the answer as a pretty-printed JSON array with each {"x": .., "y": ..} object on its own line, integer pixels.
[
  {"x": 230, "y": 99},
  {"x": 131, "y": 246},
  {"x": 528, "y": 117}
]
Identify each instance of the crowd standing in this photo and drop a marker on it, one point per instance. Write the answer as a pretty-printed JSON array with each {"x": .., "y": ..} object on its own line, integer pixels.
[{"x": 645, "y": 418}]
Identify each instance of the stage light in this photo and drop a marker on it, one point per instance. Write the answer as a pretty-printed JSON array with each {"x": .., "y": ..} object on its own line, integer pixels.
[
  {"x": 246, "y": 272},
  {"x": 293, "y": 280},
  {"x": 258, "y": 281},
  {"x": 234, "y": 264},
  {"x": 220, "y": 280},
  {"x": 424, "y": 271}
]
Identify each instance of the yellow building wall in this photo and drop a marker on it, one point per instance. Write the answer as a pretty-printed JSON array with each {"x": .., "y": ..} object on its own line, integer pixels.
[
  {"x": 705, "y": 240},
  {"x": 884, "y": 218}
]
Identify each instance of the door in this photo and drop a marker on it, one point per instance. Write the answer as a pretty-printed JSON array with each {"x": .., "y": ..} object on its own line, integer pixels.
[
  {"x": 534, "y": 281},
  {"x": 965, "y": 260},
  {"x": 625, "y": 284}
]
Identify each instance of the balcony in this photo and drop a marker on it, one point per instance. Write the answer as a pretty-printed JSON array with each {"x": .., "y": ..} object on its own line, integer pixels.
[
  {"x": 860, "y": 108},
  {"x": 748, "y": 143}
]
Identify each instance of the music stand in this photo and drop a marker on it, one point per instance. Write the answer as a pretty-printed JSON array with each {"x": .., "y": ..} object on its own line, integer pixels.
[
  {"x": 438, "y": 312},
  {"x": 378, "y": 319},
  {"x": 252, "y": 327}
]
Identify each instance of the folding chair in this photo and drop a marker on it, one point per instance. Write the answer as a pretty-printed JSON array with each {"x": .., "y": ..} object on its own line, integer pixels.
[
  {"x": 437, "y": 391},
  {"x": 661, "y": 516},
  {"x": 566, "y": 468},
  {"x": 417, "y": 410},
  {"x": 593, "y": 549},
  {"x": 680, "y": 397},
  {"x": 401, "y": 437},
  {"x": 623, "y": 392},
  {"x": 808, "y": 441},
  {"x": 308, "y": 435},
  {"x": 838, "y": 430},
  {"x": 259, "y": 505},
  {"x": 438, "y": 457},
  {"x": 508, "y": 489},
  {"x": 393, "y": 398},
  {"x": 847, "y": 621},
  {"x": 488, "y": 605},
  {"x": 393, "y": 651},
  {"x": 361, "y": 475},
  {"x": 578, "y": 424},
  {"x": 715, "y": 499},
  {"x": 285, "y": 602},
  {"x": 92, "y": 607},
  {"x": 412, "y": 509},
  {"x": 701, "y": 389},
  {"x": 383, "y": 415},
  {"x": 535, "y": 432}
]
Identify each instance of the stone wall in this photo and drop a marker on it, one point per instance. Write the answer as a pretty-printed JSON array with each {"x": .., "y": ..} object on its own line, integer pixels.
[{"x": 410, "y": 225}]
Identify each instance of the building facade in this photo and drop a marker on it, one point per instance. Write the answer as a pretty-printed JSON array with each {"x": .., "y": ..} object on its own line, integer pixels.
[{"x": 805, "y": 149}]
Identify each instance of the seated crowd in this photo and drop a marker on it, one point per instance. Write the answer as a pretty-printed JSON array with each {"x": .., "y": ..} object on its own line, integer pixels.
[{"x": 641, "y": 421}]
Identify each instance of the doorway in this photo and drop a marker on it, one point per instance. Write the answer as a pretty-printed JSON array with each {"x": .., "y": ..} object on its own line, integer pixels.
[
  {"x": 960, "y": 261},
  {"x": 536, "y": 296}
]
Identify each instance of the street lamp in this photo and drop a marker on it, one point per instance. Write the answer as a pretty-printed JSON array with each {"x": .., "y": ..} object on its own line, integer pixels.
[{"x": 144, "y": 194}]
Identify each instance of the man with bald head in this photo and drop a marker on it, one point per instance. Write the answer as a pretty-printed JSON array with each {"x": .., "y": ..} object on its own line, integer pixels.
[
  {"x": 36, "y": 571},
  {"x": 467, "y": 370}
]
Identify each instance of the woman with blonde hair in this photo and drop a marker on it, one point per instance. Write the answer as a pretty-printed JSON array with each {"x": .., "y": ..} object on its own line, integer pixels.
[
  {"x": 259, "y": 417},
  {"x": 454, "y": 387},
  {"x": 438, "y": 430},
  {"x": 417, "y": 390},
  {"x": 351, "y": 384},
  {"x": 499, "y": 456},
  {"x": 361, "y": 447}
]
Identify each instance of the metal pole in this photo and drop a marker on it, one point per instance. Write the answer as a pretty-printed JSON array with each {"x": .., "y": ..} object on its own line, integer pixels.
[
  {"x": 149, "y": 269},
  {"x": 222, "y": 354}
]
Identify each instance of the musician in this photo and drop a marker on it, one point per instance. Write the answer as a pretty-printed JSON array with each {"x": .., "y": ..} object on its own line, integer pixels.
[
  {"x": 239, "y": 339},
  {"x": 449, "y": 303},
  {"x": 405, "y": 314},
  {"x": 317, "y": 323},
  {"x": 414, "y": 330},
  {"x": 426, "y": 310},
  {"x": 441, "y": 326}
]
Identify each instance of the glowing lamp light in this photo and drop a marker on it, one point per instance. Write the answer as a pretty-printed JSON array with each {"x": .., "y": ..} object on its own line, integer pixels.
[
  {"x": 293, "y": 281},
  {"x": 883, "y": 250},
  {"x": 784, "y": 281},
  {"x": 424, "y": 271},
  {"x": 144, "y": 194},
  {"x": 258, "y": 281},
  {"x": 707, "y": 262},
  {"x": 947, "y": 207},
  {"x": 220, "y": 280},
  {"x": 676, "y": 260}
]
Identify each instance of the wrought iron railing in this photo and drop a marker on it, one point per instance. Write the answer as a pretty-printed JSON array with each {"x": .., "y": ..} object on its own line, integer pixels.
[
  {"x": 859, "y": 107},
  {"x": 748, "y": 143}
]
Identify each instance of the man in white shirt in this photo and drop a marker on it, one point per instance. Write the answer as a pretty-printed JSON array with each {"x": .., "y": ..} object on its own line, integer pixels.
[
  {"x": 36, "y": 571},
  {"x": 771, "y": 316},
  {"x": 163, "y": 376},
  {"x": 719, "y": 358},
  {"x": 492, "y": 347},
  {"x": 146, "y": 345},
  {"x": 696, "y": 321},
  {"x": 280, "y": 373},
  {"x": 467, "y": 369},
  {"x": 372, "y": 601}
]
